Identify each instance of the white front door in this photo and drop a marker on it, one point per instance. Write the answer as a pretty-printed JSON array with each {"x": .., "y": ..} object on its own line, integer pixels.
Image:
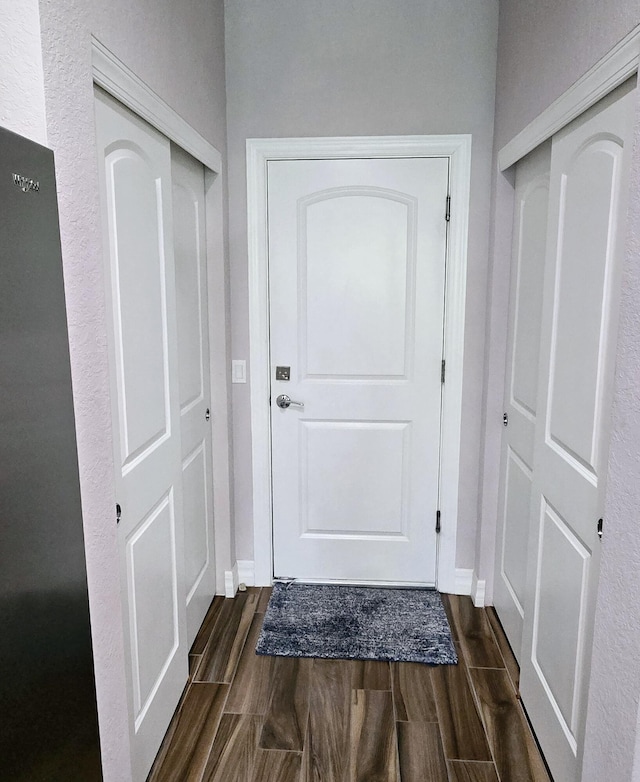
[
  {"x": 587, "y": 210},
  {"x": 521, "y": 389},
  {"x": 356, "y": 282},
  {"x": 135, "y": 169},
  {"x": 195, "y": 383}
]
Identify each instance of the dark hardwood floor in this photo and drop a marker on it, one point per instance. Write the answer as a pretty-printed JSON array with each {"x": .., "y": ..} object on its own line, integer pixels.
[{"x": 248, "y": 718}]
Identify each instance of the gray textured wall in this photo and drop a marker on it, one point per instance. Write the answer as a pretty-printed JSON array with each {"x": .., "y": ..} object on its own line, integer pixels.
[
  {"x": 364, "y": 67},
  {"x": 177, "y": 48},
  {"x": 545, "y": 46}
]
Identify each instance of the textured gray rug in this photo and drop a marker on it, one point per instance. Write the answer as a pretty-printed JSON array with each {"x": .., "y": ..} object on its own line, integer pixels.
[{"x": 356, "y": 623}]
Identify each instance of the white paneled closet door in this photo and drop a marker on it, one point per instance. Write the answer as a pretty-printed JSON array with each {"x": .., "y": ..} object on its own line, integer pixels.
[
  {"x": 135, "y": 169},
  {"x": 587, "y": 211},
  {"x": 190, "y": 252},
  {"x": 521, "y": 389}
]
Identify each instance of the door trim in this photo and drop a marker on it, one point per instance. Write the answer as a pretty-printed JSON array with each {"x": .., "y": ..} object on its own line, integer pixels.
[
  {"x": 259, "y": 152},
  {"x": 113, "y": 76},
  {"x": 609, "y": 72}
]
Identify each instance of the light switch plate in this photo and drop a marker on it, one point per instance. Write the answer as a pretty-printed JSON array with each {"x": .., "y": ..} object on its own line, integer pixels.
[{"x": 238, "y": 371}]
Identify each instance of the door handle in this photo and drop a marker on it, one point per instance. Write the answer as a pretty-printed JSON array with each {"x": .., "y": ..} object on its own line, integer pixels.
[{"x": 285, "y": 401}]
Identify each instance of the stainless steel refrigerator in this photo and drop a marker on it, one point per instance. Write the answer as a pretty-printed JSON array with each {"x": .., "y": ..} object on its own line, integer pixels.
[{"x": 48, "y": 717}]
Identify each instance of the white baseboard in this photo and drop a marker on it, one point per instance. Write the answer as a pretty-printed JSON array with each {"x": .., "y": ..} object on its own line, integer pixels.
[
  {"x": 478, "y": 588},
  {"x": 468, "y": 583},
  {"x": 231, "y": 581},
  {"x": 243, "y": 572},
  {"x": 463, "y": 582},
  {"x": 246, "y": 572}
]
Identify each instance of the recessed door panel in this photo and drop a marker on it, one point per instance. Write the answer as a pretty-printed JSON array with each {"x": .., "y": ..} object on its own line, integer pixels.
[
  {"x": 528, "y": 305},
  {"x": 521, "y": 389},
  {"x": 189, "y": 202},
  {"x": 195, "y": 472},
  {"x": 356, "y": 294},
  {"x": 364, "y": 464},
  {"x": 585, "y": 232},
  {"x": 151, "y": 562},
  {"x": 560, "y": 601},
  {"x": 357, "y": 258},
  {"x": 187, "y": 216},
  {"x": 134, "y": 193},
  {"x": 516, "y": 528}
]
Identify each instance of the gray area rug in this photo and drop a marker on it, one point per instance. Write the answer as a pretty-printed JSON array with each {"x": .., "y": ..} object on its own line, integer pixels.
[{"x": 357, "y": 623}]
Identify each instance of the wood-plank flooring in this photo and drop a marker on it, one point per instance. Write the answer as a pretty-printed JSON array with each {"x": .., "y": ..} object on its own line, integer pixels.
[{"x": 249, "y": 718}]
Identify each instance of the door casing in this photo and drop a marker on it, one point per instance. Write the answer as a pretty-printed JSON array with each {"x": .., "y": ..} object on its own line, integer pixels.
[{"x": 259, "y": 151}]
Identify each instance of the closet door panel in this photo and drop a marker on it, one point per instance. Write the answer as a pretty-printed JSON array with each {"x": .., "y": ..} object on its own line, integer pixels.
[
  {"x": 587, "y": 208},
  {"x": 521, "y": 389},
  {"x": 189, "y": 230},
  {"x": 135, "y": 172}
]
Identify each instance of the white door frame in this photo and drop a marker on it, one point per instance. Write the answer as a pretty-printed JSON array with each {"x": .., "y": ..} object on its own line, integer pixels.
[
  {"x": 259, "y": 152},
  {"x": 114, "y": 77}
]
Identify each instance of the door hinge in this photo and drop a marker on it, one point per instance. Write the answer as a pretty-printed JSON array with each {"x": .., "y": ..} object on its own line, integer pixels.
[
  {"x": 437, "y": 522},
  {"x": 442, "y": 370},
  {"x": 447, "y": 214},
  {"x": 600, "y": 523},
  {"x": 118, "y": 513}
]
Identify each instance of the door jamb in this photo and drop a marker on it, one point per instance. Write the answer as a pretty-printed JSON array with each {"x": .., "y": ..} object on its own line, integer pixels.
[
  {"x": 457, "y": 148},
  {"x": 114, "y": 77}
]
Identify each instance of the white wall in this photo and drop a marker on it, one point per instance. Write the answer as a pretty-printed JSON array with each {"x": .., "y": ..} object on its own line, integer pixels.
[
  {"x": 363, "y": 67},
  {"x": 21, "y": 82},
  {"x": 178, "y": 49},
  {"x": 543, "y": 49}
]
